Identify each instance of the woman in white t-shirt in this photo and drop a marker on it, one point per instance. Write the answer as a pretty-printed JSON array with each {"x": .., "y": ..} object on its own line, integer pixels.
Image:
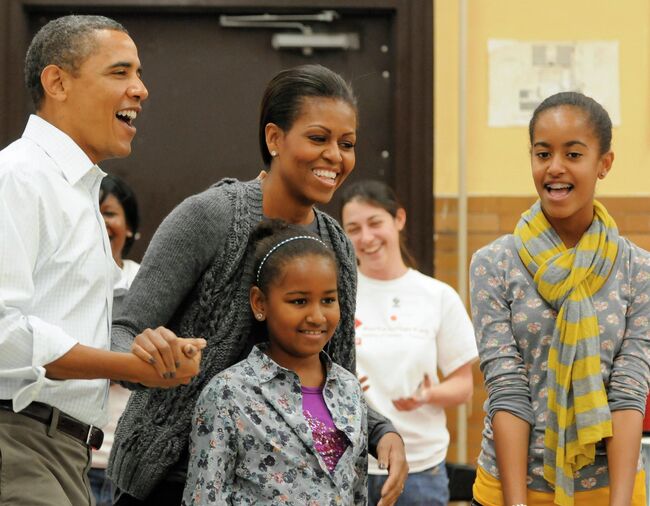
[{"x": 408, "y": 326}]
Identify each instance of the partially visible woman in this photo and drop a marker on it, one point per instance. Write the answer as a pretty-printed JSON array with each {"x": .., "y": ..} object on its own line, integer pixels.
[
  {"x": 119, "y": 208},
  {"x": 561, "y": 310},
  {"x": 408, "y": 325},
  {"x": 196, "y": 275}
]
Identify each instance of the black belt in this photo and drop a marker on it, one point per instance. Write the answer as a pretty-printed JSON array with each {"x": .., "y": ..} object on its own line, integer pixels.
[{"x": 53, "y": 417}]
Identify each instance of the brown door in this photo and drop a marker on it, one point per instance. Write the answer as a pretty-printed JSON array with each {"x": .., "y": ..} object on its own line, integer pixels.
[{"x": 206, "y": 81}]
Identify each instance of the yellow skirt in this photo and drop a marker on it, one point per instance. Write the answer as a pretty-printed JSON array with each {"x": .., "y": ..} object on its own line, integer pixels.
[{"x": 487, "y": 491}]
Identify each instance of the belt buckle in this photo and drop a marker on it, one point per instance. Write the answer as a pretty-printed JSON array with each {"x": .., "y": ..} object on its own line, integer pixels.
[{"x": 89, "y": 435}]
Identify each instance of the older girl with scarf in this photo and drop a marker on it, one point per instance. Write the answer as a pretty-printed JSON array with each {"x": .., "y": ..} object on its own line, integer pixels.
[{"x": 561, "y": 310}]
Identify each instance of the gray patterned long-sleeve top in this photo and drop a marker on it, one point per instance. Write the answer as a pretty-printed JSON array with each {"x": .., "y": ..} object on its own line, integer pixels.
[
  {"x": 251, "y": 443},
  {"x": 514, "y": 326}
]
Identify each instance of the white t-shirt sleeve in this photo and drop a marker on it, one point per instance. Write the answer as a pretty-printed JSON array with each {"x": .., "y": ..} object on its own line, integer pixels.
[{"x": 455, "y": 342}]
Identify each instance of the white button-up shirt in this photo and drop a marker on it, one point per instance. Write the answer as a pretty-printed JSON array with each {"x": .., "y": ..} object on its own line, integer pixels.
[{"x": 56, "y": 270}]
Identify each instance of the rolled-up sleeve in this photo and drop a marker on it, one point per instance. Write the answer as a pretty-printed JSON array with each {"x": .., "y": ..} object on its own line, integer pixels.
[
  {"x": 27, "y": 342},
  {"x": 504, "y": 371},
  {"x": 630, "y": 377}
]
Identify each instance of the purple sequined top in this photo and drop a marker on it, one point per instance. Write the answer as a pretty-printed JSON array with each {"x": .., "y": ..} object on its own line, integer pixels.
[{"x": 329, "y": 442}]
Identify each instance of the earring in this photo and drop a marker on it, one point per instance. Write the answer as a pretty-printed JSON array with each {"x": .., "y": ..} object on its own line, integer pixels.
[
  {"x": 274, "y": 153},
  {"x": 259, "y": 316}
]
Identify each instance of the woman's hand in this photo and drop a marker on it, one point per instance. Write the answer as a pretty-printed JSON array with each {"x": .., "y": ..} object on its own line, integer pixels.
[
  {"x": 455, "y": 389},
  {"x": 391, "y": 456},
  {"x": 364, "y": 383},
  {"x": 165, "y": 351},
  {"x": 422, "y": 396}
]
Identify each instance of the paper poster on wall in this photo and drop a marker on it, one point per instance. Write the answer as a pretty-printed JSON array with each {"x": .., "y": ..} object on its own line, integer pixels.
[{"x": 523, "y": 73}]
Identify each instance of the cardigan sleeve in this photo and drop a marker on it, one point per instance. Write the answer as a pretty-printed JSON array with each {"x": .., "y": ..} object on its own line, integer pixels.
[
  {"x": 630, "y": 376},
  {"x": 501, "y": 362},
  {"x": 179, "y": 252}
]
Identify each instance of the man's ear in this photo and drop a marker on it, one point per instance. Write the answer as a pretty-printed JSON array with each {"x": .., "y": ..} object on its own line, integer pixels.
[
  {"x": 258, "y": 303},
  {"x": 54, "y": 81}
]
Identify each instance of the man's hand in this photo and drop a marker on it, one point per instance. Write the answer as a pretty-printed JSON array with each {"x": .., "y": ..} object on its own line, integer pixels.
[
  {"x": 165, "y": 351},
  {"x": 391, "y": 456}
]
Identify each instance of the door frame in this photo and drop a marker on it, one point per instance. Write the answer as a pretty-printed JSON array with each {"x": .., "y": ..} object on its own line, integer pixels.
[{"x": 413, "y": 104}]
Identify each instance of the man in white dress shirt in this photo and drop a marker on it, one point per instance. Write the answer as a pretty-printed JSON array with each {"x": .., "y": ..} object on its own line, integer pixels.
[{"x": 56, "y": 268}]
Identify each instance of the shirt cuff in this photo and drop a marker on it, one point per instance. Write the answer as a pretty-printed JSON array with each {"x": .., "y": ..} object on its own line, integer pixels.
[{"x": 49, "y": 343}]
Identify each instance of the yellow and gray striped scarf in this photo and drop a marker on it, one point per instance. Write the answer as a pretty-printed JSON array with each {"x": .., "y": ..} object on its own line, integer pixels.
[{"x": 578, "y": 415}]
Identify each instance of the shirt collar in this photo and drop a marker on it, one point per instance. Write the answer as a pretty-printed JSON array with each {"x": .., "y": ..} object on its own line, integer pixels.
[
  {"x": 267, "y": 369},
  {"x": 66, "y": 154}
]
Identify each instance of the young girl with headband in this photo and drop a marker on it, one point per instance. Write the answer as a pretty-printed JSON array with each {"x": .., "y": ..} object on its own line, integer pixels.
[
  {"x": 561, "y": 310},
  {"x": 286, "y": 425}
]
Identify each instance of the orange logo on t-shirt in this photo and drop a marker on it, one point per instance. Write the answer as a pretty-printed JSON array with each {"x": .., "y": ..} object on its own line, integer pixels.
[
  {"x": 357, "y": 323},
  {"x": 393, "y": 317}
]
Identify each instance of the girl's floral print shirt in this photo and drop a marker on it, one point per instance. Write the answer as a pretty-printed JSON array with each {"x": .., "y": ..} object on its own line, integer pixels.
[
  {"x": 514, "y": 327},
  {"x": 251, "y": 444}
]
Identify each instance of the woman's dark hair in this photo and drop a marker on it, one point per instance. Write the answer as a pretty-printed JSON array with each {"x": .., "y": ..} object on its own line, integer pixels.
[
  {"x": 113, "y": 185},
  {"x": 596, "y": 114},
  {"x": 379, "y": 194},
  {"x": 285, "y": 93},
  {"x": 272, "y": 256}
]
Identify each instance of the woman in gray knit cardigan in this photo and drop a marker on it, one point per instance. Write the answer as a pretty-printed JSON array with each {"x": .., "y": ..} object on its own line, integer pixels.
[{"x": 195, "y": 277}]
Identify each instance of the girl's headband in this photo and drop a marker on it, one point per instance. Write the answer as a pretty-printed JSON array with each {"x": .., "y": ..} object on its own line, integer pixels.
[{"x": 278, "y": 245}]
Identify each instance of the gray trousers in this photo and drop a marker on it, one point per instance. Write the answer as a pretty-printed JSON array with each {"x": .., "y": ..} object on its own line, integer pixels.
[{"x": 40, "y": 466}]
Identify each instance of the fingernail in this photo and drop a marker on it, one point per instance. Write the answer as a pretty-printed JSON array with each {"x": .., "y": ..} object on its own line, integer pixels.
[
  {"x": 166, "y": 375},
  {"x": 382, "y": 465},
  {"x": 152, "y": 360},
  {"x": 177, "y": 364},
  {"x": 172, "y": 374}
]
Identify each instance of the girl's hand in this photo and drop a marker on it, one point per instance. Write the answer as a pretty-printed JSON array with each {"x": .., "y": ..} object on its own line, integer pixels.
[{"x": 391, "y": 455}]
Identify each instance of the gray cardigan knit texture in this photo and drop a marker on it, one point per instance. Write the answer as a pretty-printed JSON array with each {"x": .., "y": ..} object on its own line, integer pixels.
[{"x": 195, "y": 280}]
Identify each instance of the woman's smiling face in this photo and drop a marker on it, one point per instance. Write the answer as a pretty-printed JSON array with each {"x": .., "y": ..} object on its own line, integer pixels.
[
  {"x": 566, "y": 162},
  {"x": 116, "y": 225},
  {"x": 374, "y": 233},
  {"x": 316, "y": 154}
]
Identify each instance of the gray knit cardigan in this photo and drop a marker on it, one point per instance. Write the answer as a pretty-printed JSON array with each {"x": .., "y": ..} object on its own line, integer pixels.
[{"x": 195, "y": 280}]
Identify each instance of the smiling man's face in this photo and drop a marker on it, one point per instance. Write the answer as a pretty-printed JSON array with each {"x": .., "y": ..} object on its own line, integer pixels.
[{"x": 104, "y": 96}]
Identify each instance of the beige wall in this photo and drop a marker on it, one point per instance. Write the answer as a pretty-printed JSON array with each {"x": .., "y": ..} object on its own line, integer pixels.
[{"x": 498, "y": 162}]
